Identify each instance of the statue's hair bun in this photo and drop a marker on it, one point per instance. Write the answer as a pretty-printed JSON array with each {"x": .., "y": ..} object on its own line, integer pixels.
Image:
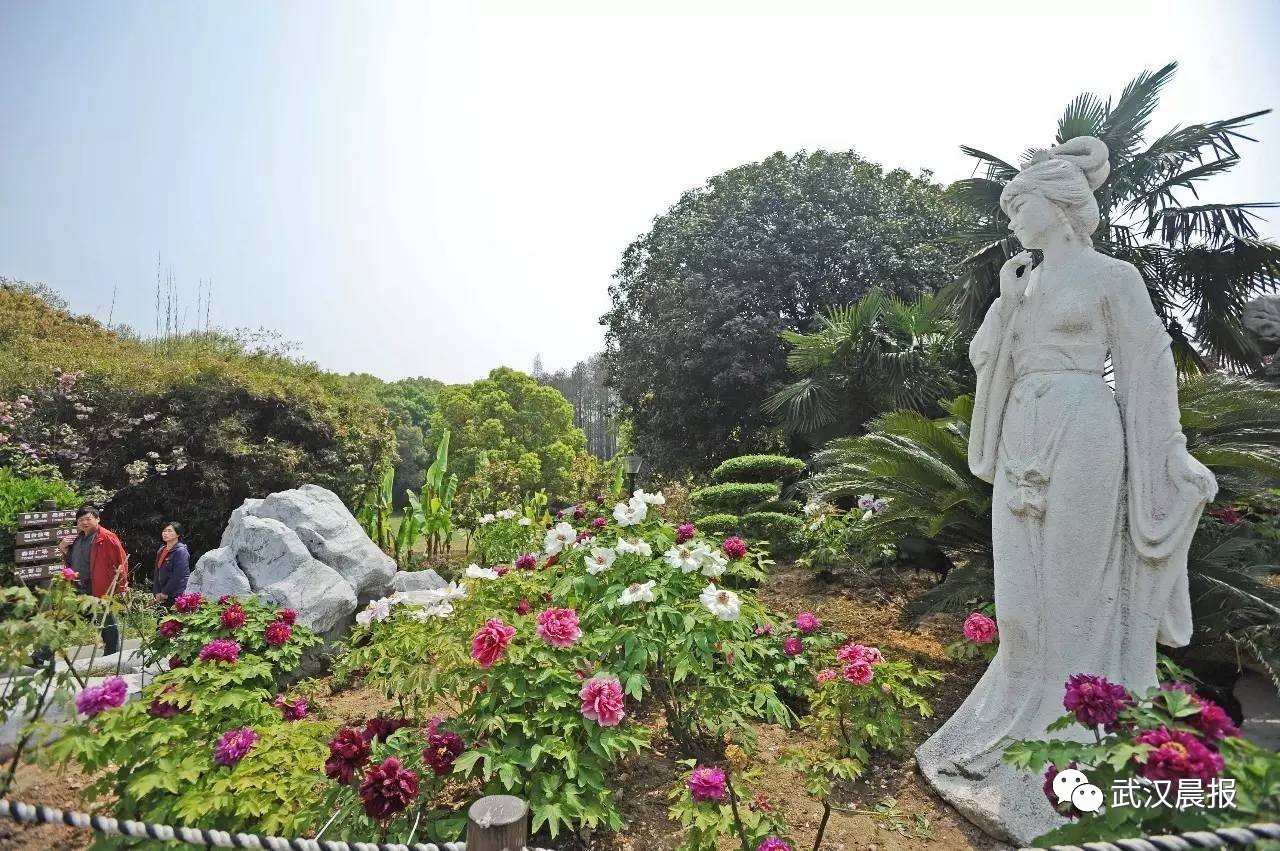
[{"x": 1087, "y": 153}]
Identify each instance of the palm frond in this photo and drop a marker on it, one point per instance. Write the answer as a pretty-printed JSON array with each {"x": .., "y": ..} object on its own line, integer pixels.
[
  {"x": 996, "y": 169},
  {"x": 1212, "y": 223},
  {"x": 1086, "y": 115},
  {"x": 1127, "y": 119}
]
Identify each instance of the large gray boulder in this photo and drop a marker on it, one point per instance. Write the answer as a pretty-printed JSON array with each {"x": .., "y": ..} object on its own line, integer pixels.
[
  {"x": 217, "y": 574},
  {"x": 416, "y": 580}
]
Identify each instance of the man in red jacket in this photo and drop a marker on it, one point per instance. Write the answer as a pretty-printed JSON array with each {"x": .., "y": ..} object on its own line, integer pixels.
[{"x": 101, "y": 566}]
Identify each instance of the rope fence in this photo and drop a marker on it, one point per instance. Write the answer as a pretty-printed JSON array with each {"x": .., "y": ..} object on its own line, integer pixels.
[{"x": 1223, "y": 837}]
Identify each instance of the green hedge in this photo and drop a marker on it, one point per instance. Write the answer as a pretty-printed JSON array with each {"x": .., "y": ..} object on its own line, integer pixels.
[
  {"x": 757, "y": 468},
  {"x": 717, "y": 524},
  {"x": 771, "y": 526},
  {"x": 733, "y": 497},
  {"x": 19, "y": 493}
]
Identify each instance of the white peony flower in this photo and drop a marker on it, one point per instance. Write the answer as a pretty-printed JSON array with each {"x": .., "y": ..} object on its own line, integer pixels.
[
  {"x": 723, "y": 604},
  {"x": 631, "y": 512},
  {"x": 637, "y": 546},
  {"x": 601, "y": 559},
  {"x": 525, "y": 521},
  {"x": 559, "y": 537},
  {"x": 433, "y": 610},
  {"x": 714, "y": 564},
  {"x": 866, "y": 501},
  {"x": 650, "y": 498},
  {"x": 639, "y": 592},
  {"x": 487, "y": 519},
  {"x": 879, "y": 505},
  {"x": 506, "y": 514},
  {"x": 812, "y": 508},
  {"x": 682, "y": 557},
  {"x": 475, "y": 571},
  {"x": 377, "y": 610}
]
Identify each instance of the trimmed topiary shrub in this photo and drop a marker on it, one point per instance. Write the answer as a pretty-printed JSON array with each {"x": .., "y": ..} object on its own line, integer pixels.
[
  {"x": 782, "y": 506},
  {"x": 733, "y": 497},
  {"x": 717, "y": 524},
  {"x": 770, "y": 525},
  {"x": 757, "y": 468}
]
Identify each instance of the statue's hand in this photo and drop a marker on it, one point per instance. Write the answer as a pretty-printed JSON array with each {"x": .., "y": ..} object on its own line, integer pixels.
[{"x": 1014, "y": 275}]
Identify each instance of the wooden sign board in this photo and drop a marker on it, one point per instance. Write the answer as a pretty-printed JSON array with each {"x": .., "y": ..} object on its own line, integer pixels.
[
  {"x": 37, "y": 554},
  {"x": 30, "y": 519},
  {"x": 33, "y": 537},
  {"x": 36, "y": 572}
]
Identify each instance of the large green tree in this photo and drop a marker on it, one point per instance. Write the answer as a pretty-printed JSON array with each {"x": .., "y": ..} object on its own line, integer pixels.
[
  {"x": 700, "y": 301},
  {"x": 1201, "y": 261}
]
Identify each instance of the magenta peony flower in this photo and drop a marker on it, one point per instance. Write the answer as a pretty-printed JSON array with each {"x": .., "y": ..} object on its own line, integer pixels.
[
  {"x": 1094, "y": 700},
  {"x": 523, "y": 607},
  {"x": 859, "y": 672},
  {"x": 70, "y": 575},
  {"x": 559, "y": 627},
  {"x": 387, "y": 789},
  {"x": 807, "y": 623},
  {"x": 685, "y": 532},
  {"x": 602, "y": 700},
  {"x": 348, "y": 752},
  {"x": 443, "y": 747},
  {"x": 979, "y": 628},
  {"x": 109, "y": 694},
  {"x": 527, "y": 561},
  {"x": 490, "y": 642},
  {"x": 292, "y": 710},
  {"x": 278, "y": 632},
  {"x": 600, "y": 522},
  {"x": 289, "y": 616},
  {"x": 169, "y": 628},
  {"x": 1066, "y": 808},
  {"x": 161, "y": 708},
  {"x": 773, "y": 843},
  {"x": 501, "y": 569},
  {"x": 735, "y": 548},
  {"x": 224, "y": 599},
  {"x": 232, "y": 617},
  {"x": 1177, "y": 755},
  {"x": 234, "y": 745},
  {"x": 708, "y": 784},
  {"x": 1212, "y": 721},
  {"x": 859, "y": 653},
  {"x": 580, "y": 511},
  {"x": 220, "y": 650},
  {"x": 792, "y": 645},
  {"x": 825, "y": 676},
  {"x": 187, "y": 603}
]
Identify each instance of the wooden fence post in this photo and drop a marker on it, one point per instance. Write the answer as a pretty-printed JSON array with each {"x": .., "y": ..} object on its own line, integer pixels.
[{"x": 498, "y": 823}]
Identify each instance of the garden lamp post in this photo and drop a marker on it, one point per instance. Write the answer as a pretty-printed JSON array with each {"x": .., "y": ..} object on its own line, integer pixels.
[{"x": 631, "y": 465}]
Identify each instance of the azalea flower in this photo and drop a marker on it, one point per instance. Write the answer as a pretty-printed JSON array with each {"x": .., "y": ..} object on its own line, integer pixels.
[
  {"x": 650, "y": 498},
  {"x": 475, "y": 571},
  {"x": 631, "y": 512},
  {"x": 683, "y": 558},
  {"x": 638, "y": 592},
  {"x": 601, "y": 560},
  {"x": 722, "y": 603},
  {"x": 637, "y": 546},
  {"x": 559, "y": 537}
]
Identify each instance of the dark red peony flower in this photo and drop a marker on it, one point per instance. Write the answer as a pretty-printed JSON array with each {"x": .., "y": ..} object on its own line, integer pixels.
[
  {"x": 443, "y": 747},
  {"x": 232, "y": 617},
  {"x": 1212, "y": 721},
  {"x": 176, "y": 662},
  {"x": 348, "y": 752},
  {"x": 161, "y": 708},
  {"x": 523, "y": 607},
  {"x": 1066, "y": 808},
  {"x": 685, "y": 532},
  {"x": 169, "y": 628},
  {"x": 527, "y": 561},
  {"x": 380, "y": 727},
  {"x": 387, "y": 789},
  {"x": 278, "y": 632},
  {"x": 289, "y": 616}
]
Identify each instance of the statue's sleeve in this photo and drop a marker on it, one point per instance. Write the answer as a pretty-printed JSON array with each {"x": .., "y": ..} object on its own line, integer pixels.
[
  {"x": 1166, "y": 488},
  {"x": 993, "y": 363}
]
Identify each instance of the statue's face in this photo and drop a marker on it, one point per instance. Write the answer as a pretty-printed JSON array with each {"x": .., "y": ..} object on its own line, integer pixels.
[{"x": 1033, "y": 219}]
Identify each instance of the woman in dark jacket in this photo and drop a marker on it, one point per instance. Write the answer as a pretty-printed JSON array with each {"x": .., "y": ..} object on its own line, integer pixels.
[{"x": 173, "y": 563}]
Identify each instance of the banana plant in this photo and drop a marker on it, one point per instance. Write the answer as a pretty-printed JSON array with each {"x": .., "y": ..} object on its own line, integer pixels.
[
  {"x": 410, "y": 530},
  {"x": 534, "y": 507},
  {"x": 375, "y": 513},
  {"x": 436, "y": 507}
]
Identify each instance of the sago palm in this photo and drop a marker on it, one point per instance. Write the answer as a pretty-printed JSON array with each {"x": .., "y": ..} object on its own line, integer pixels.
[
  {"x": 1201, "y": 261},
  {"x": 877, "y": 354}
]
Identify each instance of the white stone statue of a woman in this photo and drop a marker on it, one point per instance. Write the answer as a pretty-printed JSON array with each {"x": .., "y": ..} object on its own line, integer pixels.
[{"x": 1096, "y": 497}]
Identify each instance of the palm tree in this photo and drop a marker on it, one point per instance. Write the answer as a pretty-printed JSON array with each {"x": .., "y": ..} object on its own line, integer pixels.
[
  {"x": 1232, "y": 426},
  {"x": 1201, "y": 261},
  {"x": 877, "y": 354}
]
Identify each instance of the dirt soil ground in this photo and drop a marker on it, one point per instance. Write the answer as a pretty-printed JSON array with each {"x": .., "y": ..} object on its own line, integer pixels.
[{"x": 890, "y": 809}]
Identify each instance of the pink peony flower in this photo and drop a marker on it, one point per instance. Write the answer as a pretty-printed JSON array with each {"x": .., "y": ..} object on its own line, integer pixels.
[
  {"x": 388, "y": 788},
  {"x": 1176, "y": 755},
  {"x": 277, "y": 633},
  {"x": 348, "y": 752},
  {"x": 859, "y": 653},
  {"x": 527, "y": 561},
  {"x": 826, "y": 675},
  {"x": 443, "y": 748},
  {"x": 807, "y": 622},
  {"x": 1094, "y": 700},
  {"x": 232, "y": 617},
  {"x": 602, "y": 700},
  {"x": 169, "y": 628},
  {"x": 187, "y": 603},
  {"x": 859, "y": 672},
  {"x": 490, "y": 642},
  {"x": 708, "y": 784},
  {"x": 773, "y": 843},
  {"x": 70, "y": 575},
  {"x": 685, "y": 532},
  {"x": 766, "y": 629},
  {"x": 234, "y": 745},
  {"x": 220, "y": 650},
  {"x": 109, "y": 694},
  {"x": 559, "y": 627},
  {"x": 979, "y": 628},
  {"x": 792, "y": 645},
  {"x": 735, "y": 548}
]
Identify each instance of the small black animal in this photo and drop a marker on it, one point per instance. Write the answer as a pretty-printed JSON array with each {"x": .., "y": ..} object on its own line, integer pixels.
[{"x": 924, "y": 554}]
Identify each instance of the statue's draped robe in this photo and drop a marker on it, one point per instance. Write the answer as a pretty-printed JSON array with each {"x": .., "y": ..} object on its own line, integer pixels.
[{"x": 1095, "y": 502}]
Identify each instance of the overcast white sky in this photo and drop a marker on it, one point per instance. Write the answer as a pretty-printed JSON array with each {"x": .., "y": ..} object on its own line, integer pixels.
[{"x": 441, "y": 188}]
